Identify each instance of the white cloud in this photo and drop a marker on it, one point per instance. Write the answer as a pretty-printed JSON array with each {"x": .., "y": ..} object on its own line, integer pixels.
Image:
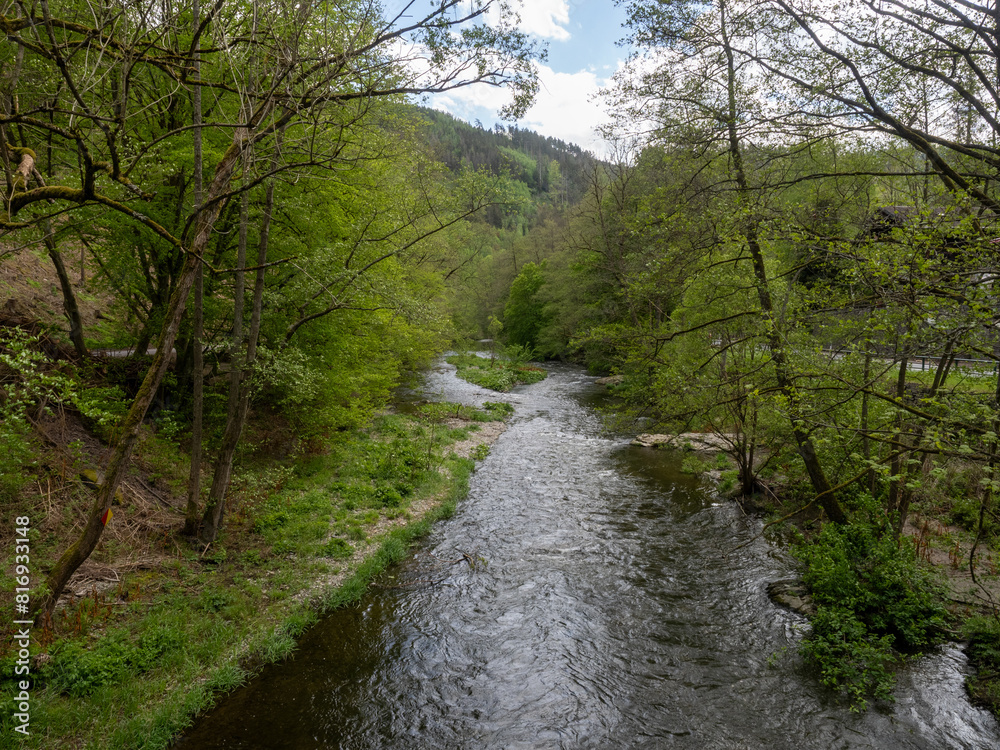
[
  {"x": 564, "y": 107},
  {"x": 545, "y": 18}
]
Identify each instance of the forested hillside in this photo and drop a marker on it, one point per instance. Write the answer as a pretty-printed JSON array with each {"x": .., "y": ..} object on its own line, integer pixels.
[{"x": 228, "y": 235}]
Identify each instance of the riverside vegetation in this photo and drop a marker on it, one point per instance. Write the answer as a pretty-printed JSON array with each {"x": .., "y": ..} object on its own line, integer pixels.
[
  {"x": 154, "y": 629},
  {"x": 202, "y": 322}
]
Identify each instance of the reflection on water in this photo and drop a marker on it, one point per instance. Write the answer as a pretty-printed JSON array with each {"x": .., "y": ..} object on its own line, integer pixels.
[{"x": 614, "y": 603}]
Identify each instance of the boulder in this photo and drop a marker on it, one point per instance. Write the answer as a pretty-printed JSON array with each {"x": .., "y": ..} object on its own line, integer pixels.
[
  {"x": 792, "y": 594},
  {"x": 693, "y": 441}
]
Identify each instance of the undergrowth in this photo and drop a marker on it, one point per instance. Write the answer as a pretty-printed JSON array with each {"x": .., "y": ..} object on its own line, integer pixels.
[
  {"x": 497, "y": 373},
  {"x": 127, "y": 667},
  {"x": 984, "y": 657},
  {"x": 875, "y": 605}
]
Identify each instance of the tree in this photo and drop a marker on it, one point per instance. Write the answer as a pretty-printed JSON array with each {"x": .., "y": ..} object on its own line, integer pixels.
[
  {"x": 706, "y": 93},
  {"x": 857, "y": 63},
  {"x": 524, "y": 314},
  {"x": 300, "y": 68}
]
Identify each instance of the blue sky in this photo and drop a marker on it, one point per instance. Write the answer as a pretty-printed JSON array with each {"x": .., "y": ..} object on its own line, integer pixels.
[{"x": 583, "y": 55}]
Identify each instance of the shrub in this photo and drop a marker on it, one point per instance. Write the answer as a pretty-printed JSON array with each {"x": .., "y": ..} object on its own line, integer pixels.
[
  {"x": 78, "y": 671},
  {"x": 27, "y": 384},
  {"x": 338, "y": 549},
  {"x": 693, "y": 463},
  {"x": 872, "y": 598},
  {"x": 498, "y": 410},
  {"x": 273, "y": 519},
  {"x": 984, "y": 655},
  {"x": 102, "y": 409}
]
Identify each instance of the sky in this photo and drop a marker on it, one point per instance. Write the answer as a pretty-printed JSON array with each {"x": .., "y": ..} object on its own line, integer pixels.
[{"x": 583, "y": 55}]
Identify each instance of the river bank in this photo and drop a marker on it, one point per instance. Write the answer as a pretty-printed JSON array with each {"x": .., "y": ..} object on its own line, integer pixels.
[
  {"x": 612, "y": 600},
  {"x": 153, "y": 630},
  {"x": 969, "y": 592}
]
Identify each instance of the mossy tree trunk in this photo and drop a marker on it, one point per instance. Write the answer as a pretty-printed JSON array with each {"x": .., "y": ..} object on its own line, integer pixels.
[
  {"x": 198, "y": 374},
  {"x": 69, "y": 296}
]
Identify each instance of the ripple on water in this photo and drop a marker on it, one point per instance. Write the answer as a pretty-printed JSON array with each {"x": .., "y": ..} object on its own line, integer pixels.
[{"x": 620, "y": 606}]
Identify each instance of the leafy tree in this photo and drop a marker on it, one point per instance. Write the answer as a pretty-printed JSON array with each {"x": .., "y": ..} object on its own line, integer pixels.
[
  {"x": 707, "y": 94},
  {"x": 889, "y": 66},
  {"x": 524, "y": 314},
  {"x": 117, "y": 130}
]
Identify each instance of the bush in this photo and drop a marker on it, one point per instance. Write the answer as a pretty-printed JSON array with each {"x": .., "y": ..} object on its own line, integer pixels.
[
  {"x": 273, "y": 519},
  {"x": 78, "y": 671},
  {"x": 498, "y": 410},
  {"x": 873, "y": 599},
  {"x": 102, "y": 409},
  {"x": 984, "y": 656},
  {"x": 338, "y": 549},
  {"x": 851, "y": 659},
  {"x": 692, "y": 463},
  {"x": 27, "y": 384}
]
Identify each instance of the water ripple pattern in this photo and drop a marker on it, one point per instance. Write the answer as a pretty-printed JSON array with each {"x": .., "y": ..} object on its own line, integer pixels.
[{"x": 611, "y": 602}]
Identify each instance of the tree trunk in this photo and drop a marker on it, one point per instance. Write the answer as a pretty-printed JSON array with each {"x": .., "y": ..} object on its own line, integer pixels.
[
  {"x": 198, "y": 375},
  {"x": 807, "y": 451},
  {"x": 235, "y": 411},
  {"x": 866, "y": 447},
  {"x": 900, "y": 494},
  {"x": 69, "y": 296},
  {"x": 238, "y": 407},
  {"x": 81, "y": 549}
]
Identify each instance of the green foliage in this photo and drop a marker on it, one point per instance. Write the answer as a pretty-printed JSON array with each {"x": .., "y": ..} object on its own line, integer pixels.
[
  {"x": 27, "y": 384},
  {"x": 214, "y": 601},
  {"x": 498, "y": 410},
  {"x": 851, "y": 659},
  {"x": 77, "y": 670},
  {"x": 169, "y": 424},
  {"x": 983, "y": 634},
  {"x": 693, "y": 463},
  {"x": 491, "y": 411},
  {"x": 498, "y": 374},
  {"x": 728, "y": 481},
  {"x": 338, "y": 549},
  {"x": 517, "y": 355},
  {"x": 873, "y": 599},
  {"x": 480, "y": 452},
  {"x": 102, "y": 407},
  {"x": 524, "y": 314},
  {"x": 271, "y": 519}
]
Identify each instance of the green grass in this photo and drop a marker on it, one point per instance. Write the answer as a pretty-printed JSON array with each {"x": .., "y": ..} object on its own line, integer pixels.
[
  {"x": 959, "y": 379},
  {"x": 498, "y": 374},
  {"x": 130, "y": 667}
]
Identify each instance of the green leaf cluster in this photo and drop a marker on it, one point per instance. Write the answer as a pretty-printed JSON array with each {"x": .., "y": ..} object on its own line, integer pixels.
[{"x": 874, "y": 601}]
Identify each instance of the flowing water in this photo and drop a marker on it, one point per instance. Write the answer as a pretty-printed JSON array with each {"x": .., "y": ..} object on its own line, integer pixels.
[{"x": 585, "y": 595}]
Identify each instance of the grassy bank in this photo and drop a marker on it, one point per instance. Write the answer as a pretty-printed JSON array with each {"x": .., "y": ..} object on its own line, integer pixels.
[
  {"x": 153, "y": 630},
  {"x": 499, "y": 372}
]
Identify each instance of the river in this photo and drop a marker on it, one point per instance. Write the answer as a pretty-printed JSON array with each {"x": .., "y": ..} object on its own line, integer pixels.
[{"x": 585, "y": 595}]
